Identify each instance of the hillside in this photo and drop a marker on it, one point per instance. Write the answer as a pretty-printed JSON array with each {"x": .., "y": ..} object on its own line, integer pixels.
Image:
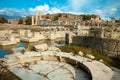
[{"x": 62, "y": 17}]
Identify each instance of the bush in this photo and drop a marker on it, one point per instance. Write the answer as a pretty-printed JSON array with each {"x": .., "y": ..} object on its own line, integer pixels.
[
  {"x": 20, "y": 21},
  {"x": 59, "y": 15},
  {"x": 23, "y": 51},
  {"x": 88, "y": 17},
  {"x": 28, "y": 20},
  {"x": 3, "y": 20},
  {"x": 55, "y": 18},
  {"x": 47, "y": 17}
]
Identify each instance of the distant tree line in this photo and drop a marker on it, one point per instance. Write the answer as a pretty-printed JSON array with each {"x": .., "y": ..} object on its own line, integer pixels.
[
  {"x": 20, "y": 21},
  {"x": 57, "y": 17},
  {"x": 3, "y": 20},
  {"x": 88, "y": 17},
  {"x": 28, "y": 20}
]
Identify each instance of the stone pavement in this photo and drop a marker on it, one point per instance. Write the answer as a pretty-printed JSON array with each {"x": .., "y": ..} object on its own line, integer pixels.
[
  {"x": 57, "y": 71},
  {"x": 49, "y": 70}
]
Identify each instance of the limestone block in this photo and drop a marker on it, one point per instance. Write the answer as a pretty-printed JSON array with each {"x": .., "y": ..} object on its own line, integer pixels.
[
  {"x": 28, "y": 33},
  {"x": 36, "y": 34},
  {"x": 2, "y": 33},
  {"x": 22, "y": 32},
  {"x": 11, "y": 37},
  {"x": 101, "y": 60},
  {"x": 80, "y": 53},
  {"x": 41, "y": 47},
  {"x": 54, "y": 49},
  {"x": 17, "y": 50},
  {"x": 90, "y": 56}
]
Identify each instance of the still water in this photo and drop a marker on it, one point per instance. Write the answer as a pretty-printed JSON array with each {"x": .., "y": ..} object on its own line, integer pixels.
[{"x": 7, "y": 49}]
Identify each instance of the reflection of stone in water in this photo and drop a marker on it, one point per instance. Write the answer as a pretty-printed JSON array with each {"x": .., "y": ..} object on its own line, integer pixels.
[
  {"x": 21, "y": 45},
  {"x": 33, "y": 43},
  {"x": 51, "y": 42},
  {"x": 26, "y": 44},
  {"x": 8, "y": 48},
  {"x": 2, "y": 53}
]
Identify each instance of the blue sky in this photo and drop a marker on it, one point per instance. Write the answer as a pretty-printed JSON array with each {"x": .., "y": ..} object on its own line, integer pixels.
[{"x": 104, "y": 8}]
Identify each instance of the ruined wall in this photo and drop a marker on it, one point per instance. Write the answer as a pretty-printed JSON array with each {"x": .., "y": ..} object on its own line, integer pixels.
[{"x": 108, "y": 46}]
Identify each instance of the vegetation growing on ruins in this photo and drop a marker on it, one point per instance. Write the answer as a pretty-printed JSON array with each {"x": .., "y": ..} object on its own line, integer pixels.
[
  {"x": 20, "y": 21},
  {"x": 88, "y": 17},
  {"x": 28, "y": 20},
  {"x": 3, "y": 20},
  {"x": 6, "y": 74},
  {"x": 57, "y": 17},
  {"x": 110, "y": 61}
]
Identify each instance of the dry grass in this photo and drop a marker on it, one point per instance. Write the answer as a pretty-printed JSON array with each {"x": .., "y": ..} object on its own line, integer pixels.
[{"x": 110, "y": 61}]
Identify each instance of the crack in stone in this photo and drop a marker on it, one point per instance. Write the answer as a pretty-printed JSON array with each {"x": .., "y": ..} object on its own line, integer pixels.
[
  {"x": 54, "y": 69},
  {"x": 70, "y": 72}
]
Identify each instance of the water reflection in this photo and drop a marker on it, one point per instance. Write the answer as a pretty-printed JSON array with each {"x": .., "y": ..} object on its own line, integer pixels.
[
  {"x": 2, "y": 53},
  {"x": 7, "y": 49},
  {"x": 21, "y": 45}
]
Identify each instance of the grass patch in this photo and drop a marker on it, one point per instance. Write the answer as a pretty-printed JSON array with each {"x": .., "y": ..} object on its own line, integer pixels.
[
  {"x": 8, "y": 76},
  {"x": 109, "y": 61}
]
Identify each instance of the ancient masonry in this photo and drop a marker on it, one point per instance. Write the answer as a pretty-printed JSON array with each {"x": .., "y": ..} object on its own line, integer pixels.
[{"x": 108, "y": 46}]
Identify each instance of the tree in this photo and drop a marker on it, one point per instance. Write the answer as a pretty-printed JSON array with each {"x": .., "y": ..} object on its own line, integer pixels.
[
  {"x": 47, "y": 17},
  {"x": 20, "y": 21},
  {"x": 86, "y": 17},
  {"x": 48, "y": 14},
  {"x": 55, "y": 18},
  {"x": 59, "y": 15},
  {"x": 28, "y": 20},
  {"x": 66, "y": 15},
  {"x": 3, "y": 20}
]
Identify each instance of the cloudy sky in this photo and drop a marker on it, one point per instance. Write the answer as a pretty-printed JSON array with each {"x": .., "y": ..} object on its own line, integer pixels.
[{"x": 104, "y": 8}]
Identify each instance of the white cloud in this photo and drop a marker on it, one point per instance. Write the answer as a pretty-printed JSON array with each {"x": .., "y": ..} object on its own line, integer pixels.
[
  {"x": 106, "y": 13},
  {"x": 100, "y": 12},
  {"x": 113, "y": 10},
  {"x": 44, "y": 9},
  {"x": 54, "y": 10},
  {"x": 12, "y": 12},
  {"x": 2, "y": 11}
]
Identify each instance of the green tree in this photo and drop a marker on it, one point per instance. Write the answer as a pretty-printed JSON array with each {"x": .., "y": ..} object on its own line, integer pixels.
[
  {"x": 59, "y": 15},
  {"x": 47, "y": 17},
  {"x": 86, "y": 17},
  {"x": 66, "y": 15},
  {"x": 28, "y": 20},
  {"x": 20, "y": 21},
  {"x": 3, "y": 20},
  {"x": 55, "y": 18}
]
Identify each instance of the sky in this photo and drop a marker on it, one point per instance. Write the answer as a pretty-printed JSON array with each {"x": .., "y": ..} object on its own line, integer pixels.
[{"x": 103, "y": 8}]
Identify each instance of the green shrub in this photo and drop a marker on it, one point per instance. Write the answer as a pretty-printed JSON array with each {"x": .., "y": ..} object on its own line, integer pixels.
[{"x": 23, "y": 51}]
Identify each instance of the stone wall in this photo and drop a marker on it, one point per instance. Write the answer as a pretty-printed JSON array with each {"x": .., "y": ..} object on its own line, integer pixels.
[{"x": 108, "y": 46}]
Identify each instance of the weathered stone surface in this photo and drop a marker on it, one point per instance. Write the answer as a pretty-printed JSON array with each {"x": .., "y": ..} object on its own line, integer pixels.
[
  {"x": 108, "y": 46},
  {"x": 80, "y": 53},
  {"x": 40, "y": 70},
  {"x": 90, "y": 56},
  {"x": 49, "y": 70}
]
